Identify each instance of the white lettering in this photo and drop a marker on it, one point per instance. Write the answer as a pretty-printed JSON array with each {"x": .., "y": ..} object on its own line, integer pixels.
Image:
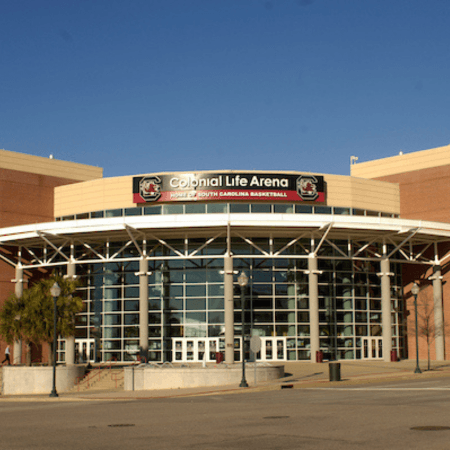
[
  {"x": 234, "y": 194},
  {"x": 269, "y": 194},
  {"x": 236, "y": 181},
  {"x": 269, "y": 182},
  {"x": 191, "y": 182},
  {"x": 254, "y": 181}
]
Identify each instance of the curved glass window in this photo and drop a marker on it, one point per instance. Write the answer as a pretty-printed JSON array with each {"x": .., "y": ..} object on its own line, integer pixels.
[
  {"x": 186, "y": 300},
  {"x": 223, "y": 208}
]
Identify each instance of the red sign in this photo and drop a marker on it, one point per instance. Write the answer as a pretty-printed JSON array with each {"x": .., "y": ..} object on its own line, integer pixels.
[{"x": 206, "y": 186}]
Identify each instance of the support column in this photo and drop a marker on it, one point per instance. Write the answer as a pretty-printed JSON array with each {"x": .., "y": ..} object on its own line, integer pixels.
[
  {"x": 313, "y": 281},
  {"x": 438, "y": 314},
  {"x": 143, "y": 308},
  {"x": 70, "y": 341},
  {"x": 229, "y": 309},
  {"x": 17, "y": 346},
  {"x": 386, "y": 321}
]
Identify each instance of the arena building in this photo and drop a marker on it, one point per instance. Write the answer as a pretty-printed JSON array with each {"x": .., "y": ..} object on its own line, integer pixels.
[{"x": 329, "y": 258}]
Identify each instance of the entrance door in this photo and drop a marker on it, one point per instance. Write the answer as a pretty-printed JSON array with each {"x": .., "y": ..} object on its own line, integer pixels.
[
  {"x": 196, "y": 349},
  {"x": 272, "y": 349},
  {"x": 84, "y": 350},
  {"x": 372, "y": 347}
]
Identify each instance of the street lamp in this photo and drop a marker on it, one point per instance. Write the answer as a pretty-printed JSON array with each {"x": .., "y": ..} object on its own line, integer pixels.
[
  {"x": 55, "y": 291},
  {"x": 243, "y": 281},
  {"x": 415, "y": 290}
]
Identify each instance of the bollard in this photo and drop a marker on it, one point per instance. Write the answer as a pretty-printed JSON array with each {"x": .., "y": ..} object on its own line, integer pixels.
[{"x": 335, "y": 371}]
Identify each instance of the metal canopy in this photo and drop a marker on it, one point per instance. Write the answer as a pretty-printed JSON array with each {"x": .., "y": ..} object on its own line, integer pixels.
[{"x": 52, "y": 243}]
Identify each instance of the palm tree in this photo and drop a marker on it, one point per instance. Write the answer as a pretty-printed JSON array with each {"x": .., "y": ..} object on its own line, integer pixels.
[
  {"x": 30, "y": 317},
  {"x": 13, "y": 318}
]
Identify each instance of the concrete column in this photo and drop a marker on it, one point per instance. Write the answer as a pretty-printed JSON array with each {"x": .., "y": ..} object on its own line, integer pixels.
[
  {"x": 438, "y": 314},
  {"x": 143, "y": 308},
  {"x": 229, "y": 309},
  {"x": 386, "y": 322},
  {"x": 70, "y": 341},
  {"x": 313, "y": 281},
  {"x": 18, "y": 290}
]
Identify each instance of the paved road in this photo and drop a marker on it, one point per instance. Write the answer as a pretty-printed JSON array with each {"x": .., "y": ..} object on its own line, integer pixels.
[{"x": 376, "y": 416}]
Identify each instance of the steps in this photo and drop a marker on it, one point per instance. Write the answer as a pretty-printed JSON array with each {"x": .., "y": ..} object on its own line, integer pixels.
[{"x": 101, "y": 379}]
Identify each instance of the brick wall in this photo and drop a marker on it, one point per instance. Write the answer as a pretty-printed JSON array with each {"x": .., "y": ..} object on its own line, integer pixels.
[
  {"x": 24, "y": 198},
  {"x": 425, "y": 195}
]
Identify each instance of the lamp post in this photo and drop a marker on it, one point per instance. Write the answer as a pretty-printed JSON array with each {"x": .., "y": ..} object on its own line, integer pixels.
[
  {"x": 415, "y": 290},
  {"x": 55, "y": 291},
  {"x": 243, "y": 281}
]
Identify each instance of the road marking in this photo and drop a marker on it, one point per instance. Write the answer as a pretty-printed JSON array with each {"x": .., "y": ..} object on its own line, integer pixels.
[{"x": 378, "y": 389}]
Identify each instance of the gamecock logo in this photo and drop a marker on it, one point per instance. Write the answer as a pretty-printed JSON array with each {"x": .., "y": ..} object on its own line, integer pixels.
[
  {"x": 150, "y": 188},
  {"x": 307, "y": 187}
]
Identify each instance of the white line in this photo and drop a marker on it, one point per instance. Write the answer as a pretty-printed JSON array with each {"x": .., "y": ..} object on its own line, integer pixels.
[{"x": 378, "y": 389}]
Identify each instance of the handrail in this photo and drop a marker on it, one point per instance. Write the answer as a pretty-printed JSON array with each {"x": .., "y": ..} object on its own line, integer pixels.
[
  {"x": 89, "y": 378},
  {"x": 141, "y": 359},
  {"x": 114, "y": 377}
]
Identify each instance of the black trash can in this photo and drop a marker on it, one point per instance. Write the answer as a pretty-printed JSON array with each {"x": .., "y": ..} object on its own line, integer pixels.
[{"x": 335, "y": 371}]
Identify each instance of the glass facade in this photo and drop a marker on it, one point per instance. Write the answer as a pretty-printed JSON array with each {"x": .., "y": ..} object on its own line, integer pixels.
[{"x": 186, "y": 297}]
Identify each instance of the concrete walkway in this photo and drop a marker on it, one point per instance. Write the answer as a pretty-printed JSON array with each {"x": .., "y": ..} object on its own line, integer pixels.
[{"x": 298, "y": 375}]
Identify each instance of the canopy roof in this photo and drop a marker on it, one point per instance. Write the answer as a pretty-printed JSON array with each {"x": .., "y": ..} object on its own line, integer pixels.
[{"x": 47, "y": 244}]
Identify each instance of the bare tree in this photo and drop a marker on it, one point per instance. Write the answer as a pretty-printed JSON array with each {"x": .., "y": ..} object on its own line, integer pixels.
[{"x": 426, "y": 327}]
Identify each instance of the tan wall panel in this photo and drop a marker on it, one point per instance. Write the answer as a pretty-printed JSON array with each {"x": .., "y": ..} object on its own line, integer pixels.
[
  {"x": 95, "y": 195},
  {"x": 376, "y": 196},
  {"x": 363, "y": 194},
  {"x": 112, "y": 193},
  {"x": 407, "y": 162},
  {"x": 425, "y": 194},
  {"x": 46, "y": 166}
]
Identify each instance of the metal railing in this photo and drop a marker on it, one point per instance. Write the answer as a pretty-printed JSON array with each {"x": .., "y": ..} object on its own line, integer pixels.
[{"x": 96, "y": 374}]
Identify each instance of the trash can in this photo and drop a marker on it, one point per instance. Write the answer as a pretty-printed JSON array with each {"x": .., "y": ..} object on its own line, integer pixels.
[
  {"x": 319, "y": 356},
  {"x": 394, "y": 357},
  {"x": 335, "y": 371},
  {"x": 219, "y": 357}
]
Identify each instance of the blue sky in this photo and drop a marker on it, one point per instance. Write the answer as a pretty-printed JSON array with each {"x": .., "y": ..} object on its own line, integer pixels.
[{"x": 145, "y": 86}]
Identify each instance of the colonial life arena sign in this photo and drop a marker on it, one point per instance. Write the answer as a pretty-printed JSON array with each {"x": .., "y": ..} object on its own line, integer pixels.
[{"x": 228, "y": 186}]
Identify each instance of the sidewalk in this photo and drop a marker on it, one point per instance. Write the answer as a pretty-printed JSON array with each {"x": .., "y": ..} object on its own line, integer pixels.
[{"x": 298, "y": 375}]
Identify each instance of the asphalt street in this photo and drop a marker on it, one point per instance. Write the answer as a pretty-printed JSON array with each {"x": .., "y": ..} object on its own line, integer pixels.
[{"x": 377, "y": 416}]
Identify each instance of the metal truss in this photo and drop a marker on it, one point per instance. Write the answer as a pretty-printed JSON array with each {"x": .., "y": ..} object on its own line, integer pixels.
[{"x": 130, "y": 243}]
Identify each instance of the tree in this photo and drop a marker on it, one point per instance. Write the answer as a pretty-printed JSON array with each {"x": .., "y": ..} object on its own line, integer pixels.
[
  {"x": 30, "y": 317},
  {"x": 426, "y": 328},
  {"x": 13, "y": 318}
]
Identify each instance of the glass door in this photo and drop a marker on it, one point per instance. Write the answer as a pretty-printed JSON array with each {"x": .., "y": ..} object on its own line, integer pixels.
[
  {"x": 272, "y": 349},
  {"x": 372, "y": 347},
  {"x": 196, "y": 349},
  {"x": 84, "y": 350}
]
